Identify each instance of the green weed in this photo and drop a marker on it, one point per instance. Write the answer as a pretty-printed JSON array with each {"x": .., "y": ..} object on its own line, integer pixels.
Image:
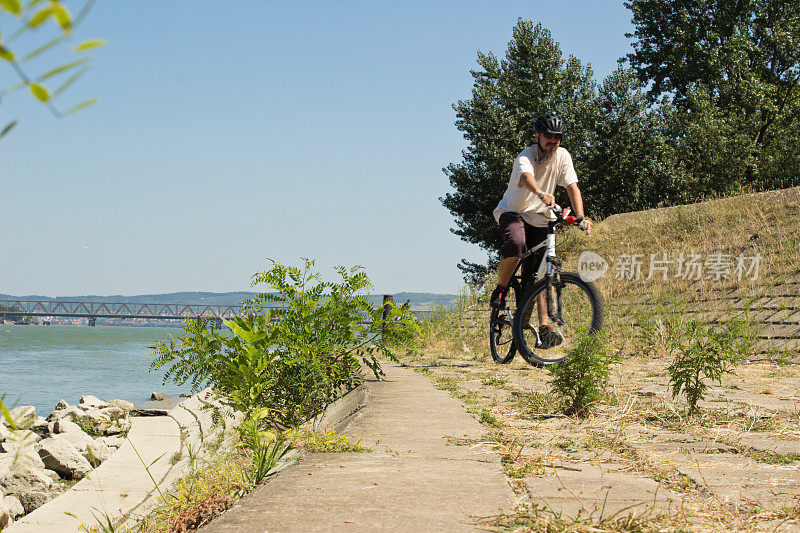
[
  {"x": 711, "y": 352},
  {"x": 489, "y": 419},
  {"x": 583, "y": 376}
]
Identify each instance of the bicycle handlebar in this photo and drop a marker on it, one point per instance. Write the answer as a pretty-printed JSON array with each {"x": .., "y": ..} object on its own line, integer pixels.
[{"x": 567, "y": 218}]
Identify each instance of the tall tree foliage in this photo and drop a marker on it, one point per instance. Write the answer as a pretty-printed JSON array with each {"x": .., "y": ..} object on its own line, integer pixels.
[
  {"x": 507, "y": 96},
  {"x": 631, "y": 164},
  {"x": 733, "y": 70},
  {"x": 710, "y": 104}
]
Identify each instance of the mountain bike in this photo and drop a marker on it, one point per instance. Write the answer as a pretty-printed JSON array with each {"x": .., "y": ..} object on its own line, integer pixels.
[{"x": 572, "y": 307}]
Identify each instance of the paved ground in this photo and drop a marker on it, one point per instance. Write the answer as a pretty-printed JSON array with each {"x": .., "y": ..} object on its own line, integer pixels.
[{"x": 414, "y": 478}]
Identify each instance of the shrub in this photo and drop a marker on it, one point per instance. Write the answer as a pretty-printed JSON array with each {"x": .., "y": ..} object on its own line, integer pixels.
[
  {"x": 299, "y": 347},
  {"x": 582, "y": 377},
  {"x": 711, "y": 352}
]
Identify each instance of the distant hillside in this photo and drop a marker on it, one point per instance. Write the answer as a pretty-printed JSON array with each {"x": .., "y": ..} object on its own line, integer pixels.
[{"x": 419, "y": 300}]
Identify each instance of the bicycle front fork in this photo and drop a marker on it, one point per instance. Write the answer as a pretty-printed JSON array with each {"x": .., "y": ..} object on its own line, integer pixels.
[{"x": 553, "y": 283}]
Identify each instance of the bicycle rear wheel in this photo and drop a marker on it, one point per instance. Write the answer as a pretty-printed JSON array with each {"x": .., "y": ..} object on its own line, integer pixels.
[
  {"x": 501, "y": 336},
  {"x": 580, "y": 307}
]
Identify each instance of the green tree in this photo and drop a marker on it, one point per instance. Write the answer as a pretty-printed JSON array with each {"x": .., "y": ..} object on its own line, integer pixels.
[
  {"x": 732, "y": 69},
  {"x": 52, "y": 21},
  {"x": 632, "y": 164},
  {"x": 507, "y": 96}
]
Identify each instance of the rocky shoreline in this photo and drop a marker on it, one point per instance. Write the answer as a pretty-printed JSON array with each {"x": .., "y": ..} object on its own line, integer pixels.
[{"x": 43, "y": 457}]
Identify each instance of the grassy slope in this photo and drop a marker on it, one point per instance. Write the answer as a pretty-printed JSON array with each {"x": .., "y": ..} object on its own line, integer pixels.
[{"x": 763, "y": 224}]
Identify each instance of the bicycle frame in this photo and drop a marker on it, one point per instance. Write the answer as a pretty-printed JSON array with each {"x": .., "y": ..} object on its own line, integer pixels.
[{"x": 546, "y": 267}]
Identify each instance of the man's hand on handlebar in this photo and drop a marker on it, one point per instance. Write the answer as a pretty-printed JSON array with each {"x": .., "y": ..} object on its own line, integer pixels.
[
  {"x": 583, "y": 223},
  {"x": 547, "y": 199}
]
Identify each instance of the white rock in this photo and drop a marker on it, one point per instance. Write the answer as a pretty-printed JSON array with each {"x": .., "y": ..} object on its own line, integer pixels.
[
  {"x": 6, "y": 461},
  {"x": 17, "y": 459},
  {"x": 19, "y": 439},
  {"x": 15, "y": 508},
  {"x": 94, "y": 414},
  {"x": 24, "y": 480},
  {"x": 62, "y": 404},
  {"x": 122, "y": 404},
  {"x": 5, "y": 432},
  {"x": 92, "y": 401},
  {"x": 40, "y": 426},
  {"x": 61, "y": 455},
  {"x": 66, "y": 426},
  {"x": 115, "y": 427},
  {"x": 64, "y": 413},
  {"x": 112, "y": 442},
  {"x": 160, "y": 396},
  {"x": 113, "y": 413},
  {"x": 52, "y": 474},
  {"x": 97, "y": 452},
  {"x": 23, "y": 416},
  {"x": 33, "y": 499},
  {"x": 78, "y": 440}
]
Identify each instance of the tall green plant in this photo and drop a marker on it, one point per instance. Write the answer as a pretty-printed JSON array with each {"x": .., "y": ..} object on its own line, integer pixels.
[
  {"x": 301, "y": 344},
  {"x": 712, "y": 351},
  {"x": 582, "y": 377},
  {"x": 268, "y": 450}
]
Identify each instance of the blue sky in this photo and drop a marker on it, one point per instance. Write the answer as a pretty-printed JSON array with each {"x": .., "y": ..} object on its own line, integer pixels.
[{"x": 230, "y": 132}]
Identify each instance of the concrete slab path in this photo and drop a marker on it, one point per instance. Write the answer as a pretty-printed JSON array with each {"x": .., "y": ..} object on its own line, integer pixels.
[{"x": 414, "y": 478}]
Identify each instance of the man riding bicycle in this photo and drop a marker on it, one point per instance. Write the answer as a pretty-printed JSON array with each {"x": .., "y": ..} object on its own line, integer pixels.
[{"x": 524, "y": 211}]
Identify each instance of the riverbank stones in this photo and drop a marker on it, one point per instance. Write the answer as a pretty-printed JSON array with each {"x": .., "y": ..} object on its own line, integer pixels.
[
  {"x": 36, "y": 457},
  {"x": 63, "y": 456},
  {"x": 66, "y": 426},
  {"x": 13, "y": 506},
  {"x": 25, "y": 479},
  {"x": 91, "y": 401},
  {"x": 23, "y": 416}
]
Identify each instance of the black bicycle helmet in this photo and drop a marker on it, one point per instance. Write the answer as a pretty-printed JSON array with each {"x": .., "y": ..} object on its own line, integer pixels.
[{"x": 550, "y": 123}]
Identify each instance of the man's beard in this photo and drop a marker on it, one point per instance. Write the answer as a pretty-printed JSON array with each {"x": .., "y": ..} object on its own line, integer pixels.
[{"x": 546, "y": 156}]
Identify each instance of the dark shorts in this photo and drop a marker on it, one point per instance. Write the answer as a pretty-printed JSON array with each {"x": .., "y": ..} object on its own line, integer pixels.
[{"x": 518, "y": 236}]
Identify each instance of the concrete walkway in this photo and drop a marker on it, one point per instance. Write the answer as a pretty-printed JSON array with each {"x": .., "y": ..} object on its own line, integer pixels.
[
  {"x": 121, "y": 485},
  {"x": 414, "y": 478}
]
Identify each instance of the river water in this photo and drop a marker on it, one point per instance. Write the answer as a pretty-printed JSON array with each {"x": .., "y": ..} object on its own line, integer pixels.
[{"x": 39, "y": 365}]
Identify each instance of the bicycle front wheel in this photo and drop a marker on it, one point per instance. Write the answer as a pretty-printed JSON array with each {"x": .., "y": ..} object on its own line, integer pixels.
[
  {"x": 577, "y": 310},
  {"x": 501, "y": 336}
]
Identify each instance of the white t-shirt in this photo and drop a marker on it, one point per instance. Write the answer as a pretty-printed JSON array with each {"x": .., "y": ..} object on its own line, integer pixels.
[{"x": 520, "y": 199}]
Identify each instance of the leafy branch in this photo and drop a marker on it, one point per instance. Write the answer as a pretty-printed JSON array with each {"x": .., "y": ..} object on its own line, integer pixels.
[{"x": 33, "y": 16}]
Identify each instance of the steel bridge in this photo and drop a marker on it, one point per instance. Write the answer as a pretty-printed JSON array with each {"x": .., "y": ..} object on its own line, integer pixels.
[{"x": 94, "y": 310}]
